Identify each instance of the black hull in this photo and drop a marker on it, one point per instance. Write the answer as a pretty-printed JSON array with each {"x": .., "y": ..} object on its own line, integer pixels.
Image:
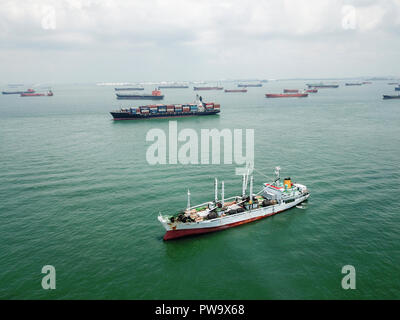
[
  {"x": 129, "y": 116},
  {"x": 385, "y": 97},
  {"x": 139, "y": 97}
]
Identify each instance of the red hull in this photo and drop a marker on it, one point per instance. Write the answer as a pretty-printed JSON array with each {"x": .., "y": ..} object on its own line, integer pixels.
[
  {"x": 32, "y": 94},
  {"x": 286, "y": 95},
  {"x": 312, "y": 90},
  {"x": 173, "y": 234}
]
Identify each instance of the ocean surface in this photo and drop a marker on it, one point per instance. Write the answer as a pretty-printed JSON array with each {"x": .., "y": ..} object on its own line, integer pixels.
[{"x": 77, "y": 192}]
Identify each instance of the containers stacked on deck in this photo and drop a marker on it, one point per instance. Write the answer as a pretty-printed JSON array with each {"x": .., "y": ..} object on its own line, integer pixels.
[{"x": 168, "y": 109}]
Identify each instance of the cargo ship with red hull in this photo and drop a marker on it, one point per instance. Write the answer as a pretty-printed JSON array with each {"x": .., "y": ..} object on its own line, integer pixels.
[
  {"x": 225, "y": 213},
  {"x": 48, "y": 94},
  {"x": 155, "y": 95},
  {"x": 161, "y": 111},
  {"x": 286, "y": 95}
]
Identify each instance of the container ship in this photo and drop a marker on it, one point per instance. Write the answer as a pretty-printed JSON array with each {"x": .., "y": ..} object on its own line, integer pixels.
[
  {"x": 286, "y": 95},
  {"x": 167, "y": 111},
  {"x": 235, "y": 90},
  {"x": 129, "y": 89},
  {"x": 230, "y": 212},
  {"x": 208, "y": 88},
  {"x": 19, "y": 92},
  {"x": 385, "y": 97},
  {"x": 245, "y": 85},
  {"x": 322, "y": 85},
  {"x": 155, "y": 95}
]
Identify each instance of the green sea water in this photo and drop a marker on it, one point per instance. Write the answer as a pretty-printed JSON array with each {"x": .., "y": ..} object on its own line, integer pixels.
[{"x": 76, "y": 192}]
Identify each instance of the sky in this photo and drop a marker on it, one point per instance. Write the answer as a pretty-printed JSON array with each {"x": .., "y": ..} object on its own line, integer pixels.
[{"x": 66, "y": 41}]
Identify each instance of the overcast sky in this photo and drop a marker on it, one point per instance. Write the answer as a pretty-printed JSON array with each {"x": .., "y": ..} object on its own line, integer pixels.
[{"x": 94, "y": 41}]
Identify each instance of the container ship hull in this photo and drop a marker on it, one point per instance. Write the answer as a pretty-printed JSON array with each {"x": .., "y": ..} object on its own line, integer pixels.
[
  {"x": 139, "y": 96},
  {"x": 129, "y": 116}
]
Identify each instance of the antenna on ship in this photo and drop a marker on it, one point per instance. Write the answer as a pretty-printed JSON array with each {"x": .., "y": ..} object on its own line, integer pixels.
[
  {"x": 277, "y": 170},
  {"x": 188, "y": 202},
  {"x": 223, "y": 193},
  {"x": 216, "y": 190}
]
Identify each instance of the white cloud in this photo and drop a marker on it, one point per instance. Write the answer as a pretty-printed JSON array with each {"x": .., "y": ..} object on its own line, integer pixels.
[{"x": 217, "y": 33}]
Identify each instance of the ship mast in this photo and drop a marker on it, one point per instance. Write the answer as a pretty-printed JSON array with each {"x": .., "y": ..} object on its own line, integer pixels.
[
  {"x": 244, "y": 185},
  {"x": 251, "y": 190},
  {"x": 223, "y": 193},
  {"x": 188, "y": 200},
  {"x": 216, "y": 190}
]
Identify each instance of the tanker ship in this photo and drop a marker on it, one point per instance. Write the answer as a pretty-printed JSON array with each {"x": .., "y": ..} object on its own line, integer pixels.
[
  {"x": 161, "y": 111},
  {"x": 230, "y": 212}
]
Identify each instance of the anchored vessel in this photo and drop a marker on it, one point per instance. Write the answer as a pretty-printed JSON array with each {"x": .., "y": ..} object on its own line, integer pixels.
[
  {"x": 129, "y": 88},
  {"x": 231, "y": 212},
  {"x": 354, "y": 83},
  {"x": 245, "y": 85},
  {"x": 49, "y": 94},
  {"x": 19, "y": 92},
  {"x": 208, "y": 88},
  {"x": 286, "y": 95},
  {"x": 385, "y": 97},
  {"x": 322, "y": 85},
  {"x": 312, "y": 90},
  {"x": 167, "y": 111},
  {"x": 290, "y": 90},
  {"x": 155, "y": 95},
  {"x": 235, "y": 90}
]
